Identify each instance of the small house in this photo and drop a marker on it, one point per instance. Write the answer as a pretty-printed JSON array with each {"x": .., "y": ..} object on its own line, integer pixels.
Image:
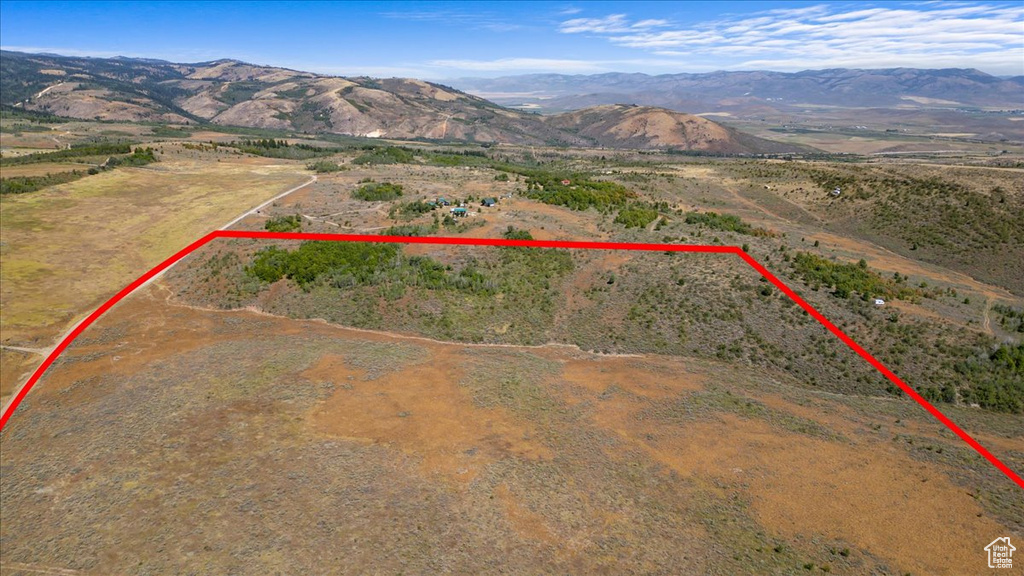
[
  {"x": 879, "y": 302},
  {"x": 488, "y": 202},
  {"x": 457, "y": 212},
  {"x": 442, "y": 201},
  {"x": 837, "y": 191}
]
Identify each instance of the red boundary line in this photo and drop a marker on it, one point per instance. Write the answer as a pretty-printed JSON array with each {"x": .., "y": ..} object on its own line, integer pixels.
[{"x": 503, "y": 242}]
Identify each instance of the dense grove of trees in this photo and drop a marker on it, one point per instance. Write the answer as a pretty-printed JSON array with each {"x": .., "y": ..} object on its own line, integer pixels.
[
  {"x": 12, "y": 113},
  {"x": 273, "y": 148},
  {"x": 312, "y": 260},
  {"x": 1012, "y": 318},
  {"x": 348, "y": 264},
  {"x": 104, "y": 149},
  {"x": 378, "y": 192},
  {"x": 525, "y": 275},
  {"x": 536, "y": 266},
  {"x": 171, "y": 132},
  {"x": 725, "y": 222},
  {"x": 325, "y": 167},
  {"x": 385, "y": 155},
  {"x": 580, "y": 193},
  {"x": 411, "y": 209},
  {"x": 636, "y": 216},
  {"x": 995, "y": 382},
  {"x": 461, "y": 158},
  {"x": 138, "y": 157},
  {"x": 25, "y": 184},
  {"x": 845, "y": 279}
]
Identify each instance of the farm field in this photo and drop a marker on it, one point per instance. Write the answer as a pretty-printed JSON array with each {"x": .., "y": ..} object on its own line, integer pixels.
[
  {"x": 192, "y": 442},
  {"x": 69, "y": 247}
]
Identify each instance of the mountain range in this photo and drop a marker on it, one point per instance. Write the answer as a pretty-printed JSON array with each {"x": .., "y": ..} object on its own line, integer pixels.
[
  {"x": 230, "y": 92},
  {"x": 896, "y": 88},
  {"x": 607, "y": 110}
]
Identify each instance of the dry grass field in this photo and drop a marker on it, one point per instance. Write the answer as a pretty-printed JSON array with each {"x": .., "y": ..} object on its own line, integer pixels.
[
  {"x": 173, "y": 439},
  {"x": 67, "y": 248}
]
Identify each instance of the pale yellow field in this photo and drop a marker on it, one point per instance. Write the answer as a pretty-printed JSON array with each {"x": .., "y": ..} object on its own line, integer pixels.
[{"x": 68, "y": 248}]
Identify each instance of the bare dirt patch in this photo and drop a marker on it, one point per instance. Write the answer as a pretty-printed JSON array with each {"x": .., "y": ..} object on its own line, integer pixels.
[{"x": 422, "y": 411}]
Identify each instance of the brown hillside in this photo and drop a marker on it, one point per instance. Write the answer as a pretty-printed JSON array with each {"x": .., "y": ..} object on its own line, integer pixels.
[
  {"x": 648, "y": 127},
  {"x": 229, "y": 92}
]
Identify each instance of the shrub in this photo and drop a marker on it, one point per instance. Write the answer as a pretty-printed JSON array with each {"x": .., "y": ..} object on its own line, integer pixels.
[
  {"x": 846, "y": 279},
  {"x": 636, "y": 216},
  {"x": 726, "y": 223},
  {"x": 325, "y": 167},
  {"x": 411, "y": 209},
  {"x": 513, "y": 233},
  {"x": 284, "y": 224},
  {"x": 385, "y": 155},
  {"x": 378, "y": 191},
  {"x": 313, "y": 260},
  {"x": 25, "y": 184}
]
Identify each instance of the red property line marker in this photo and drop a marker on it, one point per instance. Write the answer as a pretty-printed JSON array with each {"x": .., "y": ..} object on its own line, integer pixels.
[{"x": 524, "y": 243}]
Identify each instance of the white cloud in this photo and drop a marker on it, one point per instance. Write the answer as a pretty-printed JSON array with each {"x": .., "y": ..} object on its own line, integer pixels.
[
  {"x": 989, "y": 36},
  {"x": 613, "y": 23}
]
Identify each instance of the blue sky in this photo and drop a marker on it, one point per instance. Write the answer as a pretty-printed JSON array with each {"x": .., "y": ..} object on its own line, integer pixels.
[{"x": 439, "y": 40}]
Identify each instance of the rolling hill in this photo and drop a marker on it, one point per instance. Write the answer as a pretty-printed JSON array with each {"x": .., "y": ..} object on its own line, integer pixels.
[
  {"x": 229, "y": 92},
  {"x": 647, "y": 127}
]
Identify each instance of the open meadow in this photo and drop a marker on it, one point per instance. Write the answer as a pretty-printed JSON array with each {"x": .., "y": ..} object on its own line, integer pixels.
[{"x": 69, "y": 247}]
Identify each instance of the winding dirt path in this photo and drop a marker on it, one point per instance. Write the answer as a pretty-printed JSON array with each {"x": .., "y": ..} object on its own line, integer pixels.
[
  {"x": 986, "y": 321},
  {"x": 169, "y": 299}
]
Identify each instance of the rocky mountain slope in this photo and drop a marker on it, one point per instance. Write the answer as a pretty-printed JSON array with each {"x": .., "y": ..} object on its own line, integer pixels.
[{"x": 229, "y": 92}]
